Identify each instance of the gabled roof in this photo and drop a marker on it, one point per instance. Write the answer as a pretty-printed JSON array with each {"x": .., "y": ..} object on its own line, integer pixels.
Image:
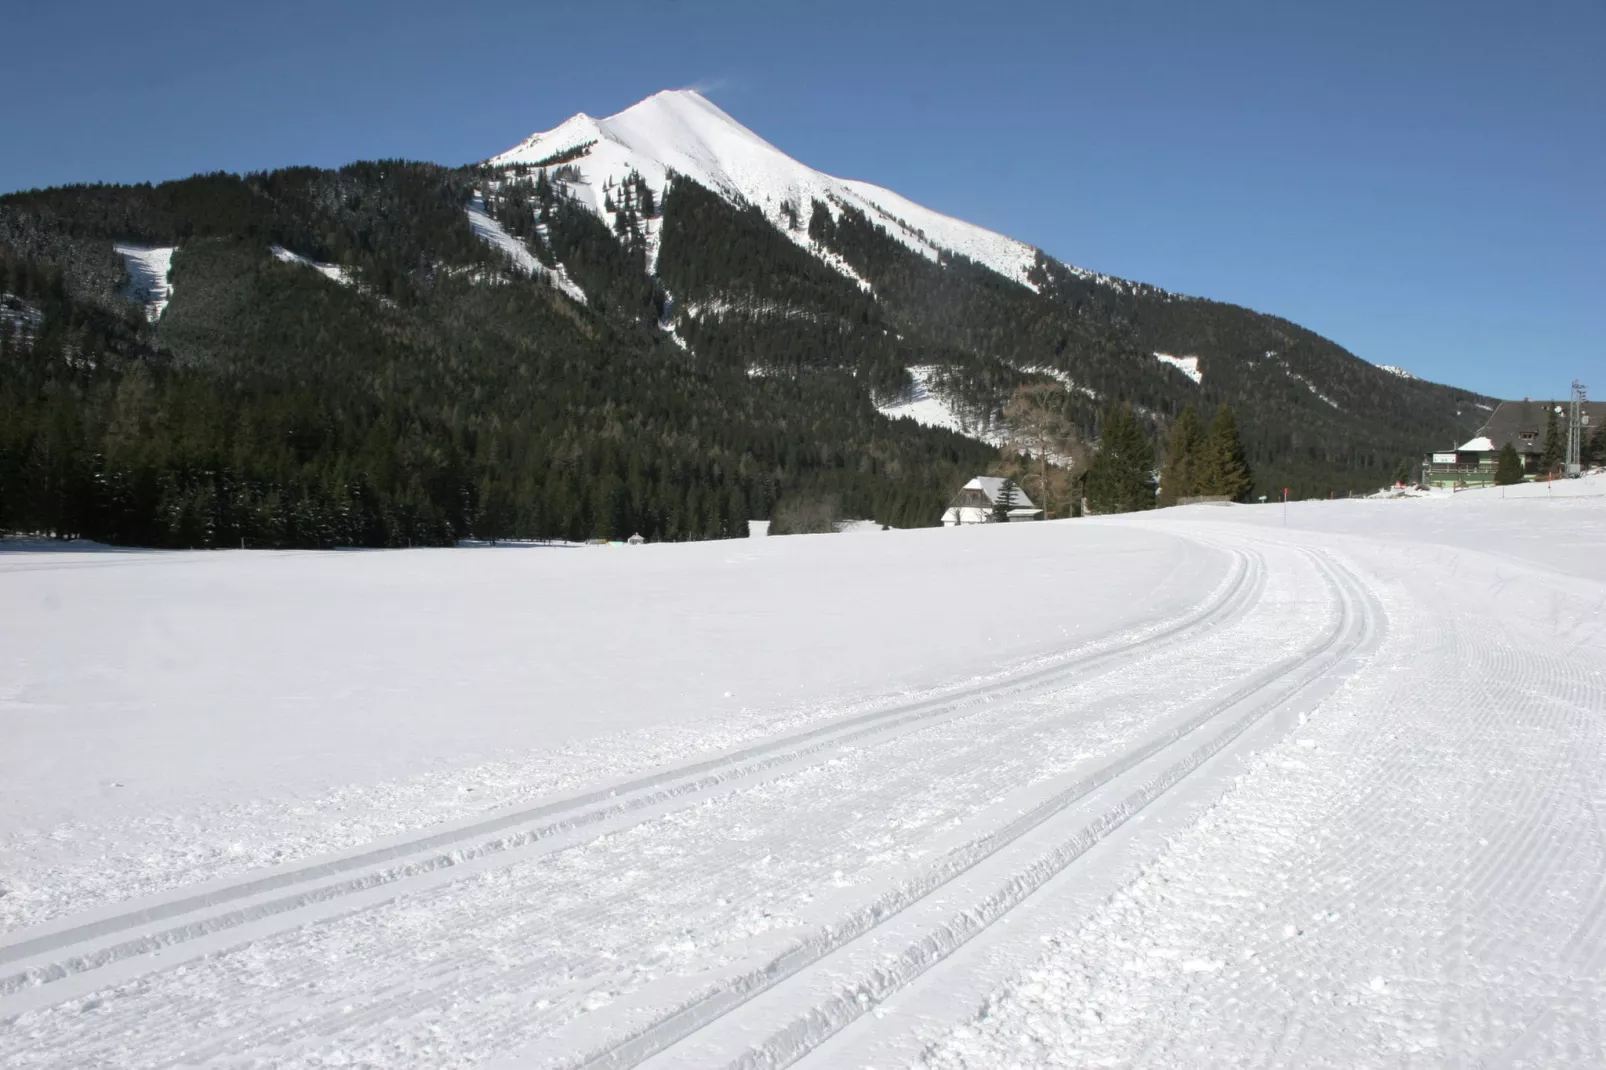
[
  {"x": 993, "y": 487},
  {"x": 1510, "y": 419}
]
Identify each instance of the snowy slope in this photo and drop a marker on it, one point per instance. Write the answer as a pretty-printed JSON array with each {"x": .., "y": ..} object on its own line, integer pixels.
[
  {"x": 149, "y": 268},
  {"x": 1394, "y": 369},
  {"x": 1188, "y": 366},
  {"x": 1221, "y": 792},
  {"x": 492, "y": 233},
  {"x": 682, "y": 131},
  {"x": 332, "y": 272},
  {"x": 930, "y": 410}
]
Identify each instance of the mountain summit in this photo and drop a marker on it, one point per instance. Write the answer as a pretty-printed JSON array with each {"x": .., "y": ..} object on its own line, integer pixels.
[
  {"x": 682, "y": 132},
  {"x": 655, "y": 322}
]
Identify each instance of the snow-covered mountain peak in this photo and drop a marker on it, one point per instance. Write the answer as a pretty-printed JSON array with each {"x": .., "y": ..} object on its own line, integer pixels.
[{"x": 681, "y": 131}]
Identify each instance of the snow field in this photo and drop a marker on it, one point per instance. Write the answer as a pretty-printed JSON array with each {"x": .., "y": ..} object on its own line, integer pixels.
[
  {"x": 492, "y": 233},
  {"x": 332, "y": 272},
  {"x": 683, "y": 132},
  {"x": 1188, "y": 366},
  {"x": 1414, "y": 874},
  {"x": 150, "y": 270},
  {"x": 1326, "y": 795},
  {"x": 929, "y": 410}
]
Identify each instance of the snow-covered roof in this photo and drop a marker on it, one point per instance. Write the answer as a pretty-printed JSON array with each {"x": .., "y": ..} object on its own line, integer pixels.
[
  {"x": 993, "y": 488},
  {"x": 1481, "y": 444}
]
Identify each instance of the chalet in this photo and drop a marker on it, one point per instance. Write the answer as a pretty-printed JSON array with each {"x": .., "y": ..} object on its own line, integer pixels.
[
  {"x": 976, "y": 500},
  {"x": 1520, "y": 423}
]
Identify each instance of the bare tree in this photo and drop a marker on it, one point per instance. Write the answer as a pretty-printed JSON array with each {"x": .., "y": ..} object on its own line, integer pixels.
[{"x": 1036, "y": 422}]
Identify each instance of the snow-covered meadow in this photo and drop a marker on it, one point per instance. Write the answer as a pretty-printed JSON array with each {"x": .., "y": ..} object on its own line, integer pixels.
[{"x": 1213, "y": 786}]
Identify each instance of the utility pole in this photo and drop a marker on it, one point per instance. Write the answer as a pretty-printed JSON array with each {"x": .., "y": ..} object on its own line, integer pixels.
[{"x": 1575, "y": 430}]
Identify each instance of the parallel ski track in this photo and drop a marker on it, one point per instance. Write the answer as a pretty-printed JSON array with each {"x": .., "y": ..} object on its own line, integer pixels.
[
  {"x": 1358, "y": 619},
  {"x": 54, "y": 951}
]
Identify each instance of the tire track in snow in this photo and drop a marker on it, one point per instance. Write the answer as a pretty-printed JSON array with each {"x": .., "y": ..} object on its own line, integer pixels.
[{"x": 113, "y": 945}]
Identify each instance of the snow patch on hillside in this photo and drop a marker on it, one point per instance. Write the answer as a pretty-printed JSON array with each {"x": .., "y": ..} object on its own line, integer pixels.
[
  {"x": 18, "y": 319},
  {"x": 1063, "y": 378},
  {"x": 149, "y": 270},
  {"x": 332, "y": 272},
  {"x": 1395, "y": 369},
  {"x": 930, "y": 410},
  {"x": 1309, "y": 385},
  {"x": 682, "y": 132},
  {"x": 1188, "y": 366},
  {"x": 492, "y": 233}
]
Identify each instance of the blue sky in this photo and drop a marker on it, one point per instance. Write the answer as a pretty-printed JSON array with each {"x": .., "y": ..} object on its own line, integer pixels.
[{"x": 1422, "y": 183}]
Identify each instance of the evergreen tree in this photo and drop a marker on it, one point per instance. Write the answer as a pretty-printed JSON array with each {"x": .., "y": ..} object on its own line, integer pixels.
[
  {"x": 1509, "y": 468},
  {"x": 1595, "y": 452},
  {"x": 1178, "y": 475},
  {"x": 1223, "y": 469},
  {"x": 1121, "y": 477},
  {"x": 1005, "y": 502},
  {"x": 1555, "y": 442}
]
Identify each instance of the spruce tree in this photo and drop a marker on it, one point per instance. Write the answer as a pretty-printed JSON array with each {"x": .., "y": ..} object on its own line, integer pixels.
[
  {"x": 1005, "y": 502},
  {"x": 1509, "y": 468},
  {"x": 1555, "y": 442},
  {"x": 1595, "y": 453},
  {"x": 1178, "y": 475},
  {"x": 1121, "y": 477},
  {"x": 1224, "y": 470}
]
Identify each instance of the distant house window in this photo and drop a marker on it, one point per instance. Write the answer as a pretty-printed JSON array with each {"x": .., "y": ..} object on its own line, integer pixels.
[{"x": 1529, "y": 436}]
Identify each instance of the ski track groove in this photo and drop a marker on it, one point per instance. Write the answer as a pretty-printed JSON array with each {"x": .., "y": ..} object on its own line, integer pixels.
[
  {"x": 1351, "y": 630},
  {"x": 1235, "y": 595},
  {"x": 1489, "y": 932}
]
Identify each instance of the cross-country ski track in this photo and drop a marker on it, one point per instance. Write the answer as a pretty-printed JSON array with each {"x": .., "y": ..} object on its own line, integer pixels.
[{"x": 1338, "y": 801}]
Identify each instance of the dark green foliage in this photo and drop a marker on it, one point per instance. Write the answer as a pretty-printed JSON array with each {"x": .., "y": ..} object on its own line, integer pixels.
[
  {"x": 1222, "y": 470},
  {"x": 1178, "y": 475},
  {"x": 1555, "y": 452},
  {"x": 444, "y": 397},
  {"x": 449, "y": 396},
  {"x": 1121, "y": 477},
  {"x": 1595, "y": 448},
  {"x": 1508, "y": 469},
  {"x": 1005, "y": 502}
]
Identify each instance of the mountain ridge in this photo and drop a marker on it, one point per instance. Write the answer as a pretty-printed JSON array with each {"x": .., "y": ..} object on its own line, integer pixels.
[{"x": 655, "y": 322}]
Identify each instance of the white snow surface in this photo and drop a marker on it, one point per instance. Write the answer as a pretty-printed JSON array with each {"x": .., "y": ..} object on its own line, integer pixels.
[
  {"x": 332, "y": 272},
  {"x": 1188, "y": 366},
  {"x": 149, "y": 271},
  {"x": 1481, "y": 444},
  {"x": 492, "y": 233},
  {"x": 1202, "y": 787},
  {"x": 1395, "y": 369},
  {"x": 682, "y": 131},
  {"x": 931, "y": 410}
]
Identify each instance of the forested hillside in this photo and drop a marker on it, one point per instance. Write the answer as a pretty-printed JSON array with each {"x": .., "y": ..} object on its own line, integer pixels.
[{"x": 355, "y": 357}]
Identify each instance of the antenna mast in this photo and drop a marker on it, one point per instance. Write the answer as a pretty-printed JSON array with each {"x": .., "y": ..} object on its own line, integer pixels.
[{"x": 1575, "y": 430}]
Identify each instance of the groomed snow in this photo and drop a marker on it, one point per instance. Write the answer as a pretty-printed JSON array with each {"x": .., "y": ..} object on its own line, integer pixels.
[
  {"x": 332, "y": 272},
  {"x": 1209, "y": 786},
  {"x": 682, "y": 131},
  {"x": 149, "y": 271},
  {"x": 1188, "y": 366}
]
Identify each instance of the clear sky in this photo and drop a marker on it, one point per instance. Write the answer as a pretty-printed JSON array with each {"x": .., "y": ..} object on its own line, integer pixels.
[{"x": 1424, "y": 183}]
